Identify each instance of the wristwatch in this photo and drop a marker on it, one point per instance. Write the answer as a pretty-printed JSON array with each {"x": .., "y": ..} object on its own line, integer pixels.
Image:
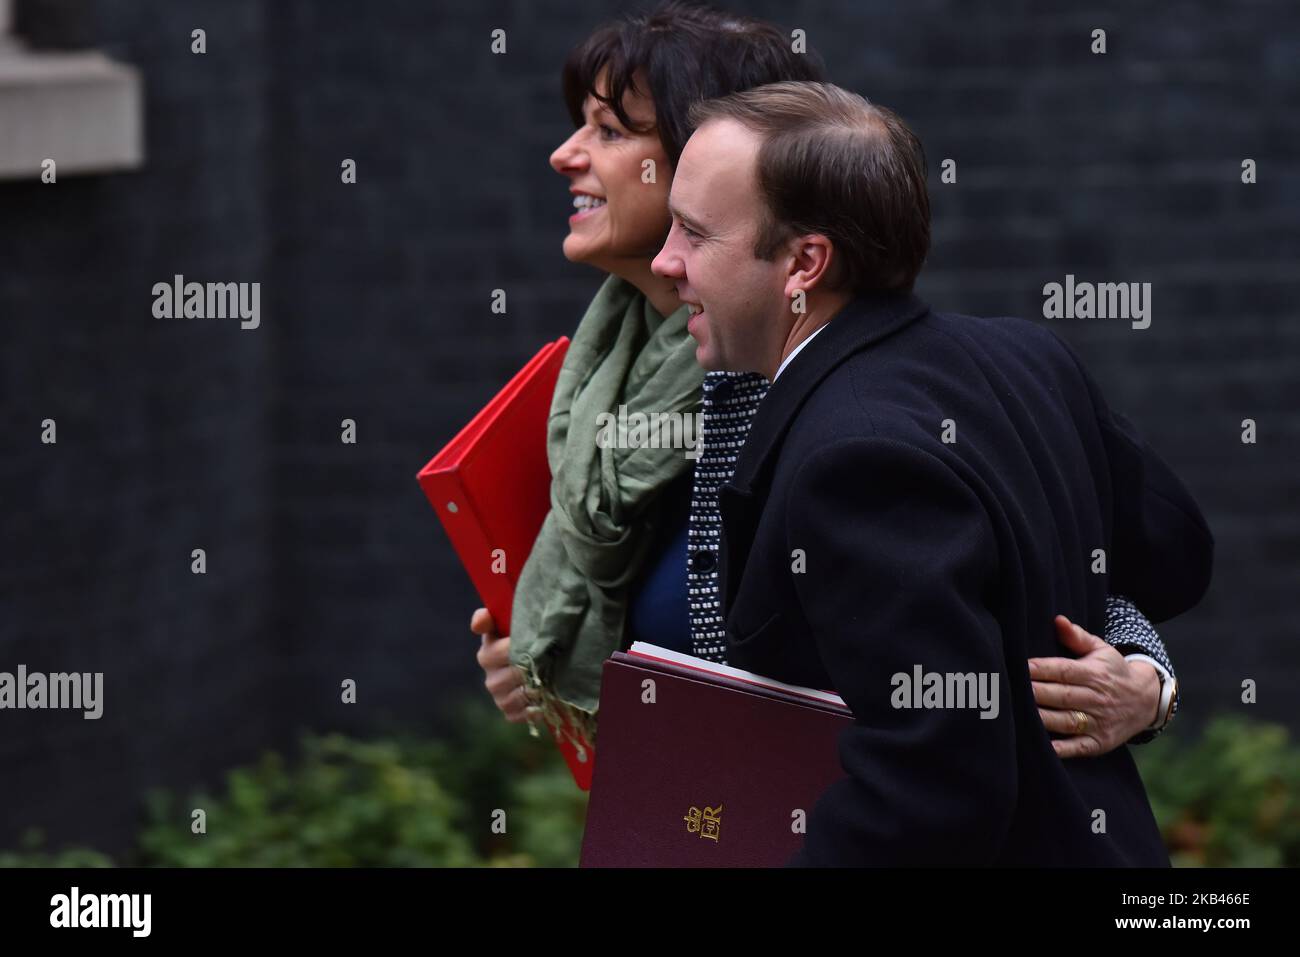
[{"x": 1168, "y": 692}]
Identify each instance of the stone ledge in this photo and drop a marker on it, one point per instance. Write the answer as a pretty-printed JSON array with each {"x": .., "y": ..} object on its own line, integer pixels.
[{"x": 83, "y": 110}]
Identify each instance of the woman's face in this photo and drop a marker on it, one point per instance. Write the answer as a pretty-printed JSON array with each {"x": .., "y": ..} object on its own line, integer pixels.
[{"x": 622, "y": 202}]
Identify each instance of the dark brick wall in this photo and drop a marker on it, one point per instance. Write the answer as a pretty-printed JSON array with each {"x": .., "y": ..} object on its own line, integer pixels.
[
  {"x": 324, "y": 560},
  {"x": 163, "y": 433}
]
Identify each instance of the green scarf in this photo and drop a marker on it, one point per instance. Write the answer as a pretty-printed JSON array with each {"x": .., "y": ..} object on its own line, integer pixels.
[{"x": 571, "y": 600}]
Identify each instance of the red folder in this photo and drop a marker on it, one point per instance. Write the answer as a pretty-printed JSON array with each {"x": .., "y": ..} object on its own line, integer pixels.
[
  {"x": 711, "y": 773},
  {"x": 491, "y": 489}
]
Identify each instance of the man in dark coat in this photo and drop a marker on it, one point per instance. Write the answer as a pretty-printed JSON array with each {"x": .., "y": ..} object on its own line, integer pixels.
[{"x": 918, "y": 496}]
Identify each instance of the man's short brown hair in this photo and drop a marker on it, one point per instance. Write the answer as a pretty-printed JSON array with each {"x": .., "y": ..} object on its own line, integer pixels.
[{"x": 833, "y": 163}]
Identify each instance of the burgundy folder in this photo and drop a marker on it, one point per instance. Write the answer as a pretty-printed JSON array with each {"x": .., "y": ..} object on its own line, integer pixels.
[{"x": 710, "y": 774}]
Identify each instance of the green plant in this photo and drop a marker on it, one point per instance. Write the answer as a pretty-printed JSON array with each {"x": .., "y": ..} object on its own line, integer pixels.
[
  {"x": 400, "y": 801},
  {"x": 491, "y": 765},
  {"x": 1230, "y": 798},
  {"x": 31, "y": 854},
  {"x": 346, "y": 803}
]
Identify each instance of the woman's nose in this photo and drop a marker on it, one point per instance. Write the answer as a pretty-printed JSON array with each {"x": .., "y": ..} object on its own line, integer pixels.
[{"x": 569, "y": 157}]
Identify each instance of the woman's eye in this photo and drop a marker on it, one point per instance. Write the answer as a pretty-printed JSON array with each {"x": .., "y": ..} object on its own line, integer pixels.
[{"x": 608, "y": 132}]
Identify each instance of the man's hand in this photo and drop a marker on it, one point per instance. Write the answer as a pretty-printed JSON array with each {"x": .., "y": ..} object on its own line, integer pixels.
[
  {"x": 503, "y": 680},
  {"x": 1101, "y": 699}
]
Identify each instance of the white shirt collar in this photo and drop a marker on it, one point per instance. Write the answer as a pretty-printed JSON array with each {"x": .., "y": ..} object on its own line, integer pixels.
[{"x": 796, "y": 351}]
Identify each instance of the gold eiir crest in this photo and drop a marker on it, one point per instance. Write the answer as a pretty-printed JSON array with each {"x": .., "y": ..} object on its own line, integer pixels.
[{"x": 708, "y": 824}]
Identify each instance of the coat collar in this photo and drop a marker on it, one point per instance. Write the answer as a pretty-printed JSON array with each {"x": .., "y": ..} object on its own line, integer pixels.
[{"x": 860, "y": 324}]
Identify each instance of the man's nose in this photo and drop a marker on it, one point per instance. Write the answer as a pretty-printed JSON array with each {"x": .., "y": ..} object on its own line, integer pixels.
[{"x": 667, "y": 263}]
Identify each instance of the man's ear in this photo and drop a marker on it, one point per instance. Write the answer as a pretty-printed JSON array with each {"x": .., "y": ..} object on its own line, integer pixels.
[{"x": 813, "y": 264}]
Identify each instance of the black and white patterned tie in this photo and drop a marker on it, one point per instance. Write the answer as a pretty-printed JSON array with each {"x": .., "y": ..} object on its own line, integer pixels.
[{"x": 729, "y": 402}]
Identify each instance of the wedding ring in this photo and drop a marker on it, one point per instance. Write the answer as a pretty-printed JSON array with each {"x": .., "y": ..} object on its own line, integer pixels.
[{"x": 1080, "y": 722}]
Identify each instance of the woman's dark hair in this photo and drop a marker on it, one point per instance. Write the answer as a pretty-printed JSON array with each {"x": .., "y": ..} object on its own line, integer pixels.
[{"x": 683, "y": 53}]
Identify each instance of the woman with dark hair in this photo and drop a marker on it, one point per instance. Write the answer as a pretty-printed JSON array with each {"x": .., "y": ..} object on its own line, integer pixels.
[{"x": 610, "y": 563}]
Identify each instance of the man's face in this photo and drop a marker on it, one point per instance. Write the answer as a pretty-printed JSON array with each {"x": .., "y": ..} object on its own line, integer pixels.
[{"x": 716, "y": 214}]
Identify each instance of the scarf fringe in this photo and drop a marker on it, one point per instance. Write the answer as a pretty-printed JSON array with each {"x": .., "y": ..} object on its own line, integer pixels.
[{"x": 568, "y": 722}]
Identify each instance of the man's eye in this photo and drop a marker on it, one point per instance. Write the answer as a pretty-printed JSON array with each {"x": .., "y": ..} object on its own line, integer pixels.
[{"x": 690, "y": 233}]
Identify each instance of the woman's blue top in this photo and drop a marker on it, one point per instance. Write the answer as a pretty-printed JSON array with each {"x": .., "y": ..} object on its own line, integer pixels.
[{"x": 657, "y": 608}]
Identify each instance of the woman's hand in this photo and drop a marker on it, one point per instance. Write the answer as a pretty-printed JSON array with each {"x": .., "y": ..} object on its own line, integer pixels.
[
  {"x": 504, "y": 681},
  {"x": 1101, "y": 699}
]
